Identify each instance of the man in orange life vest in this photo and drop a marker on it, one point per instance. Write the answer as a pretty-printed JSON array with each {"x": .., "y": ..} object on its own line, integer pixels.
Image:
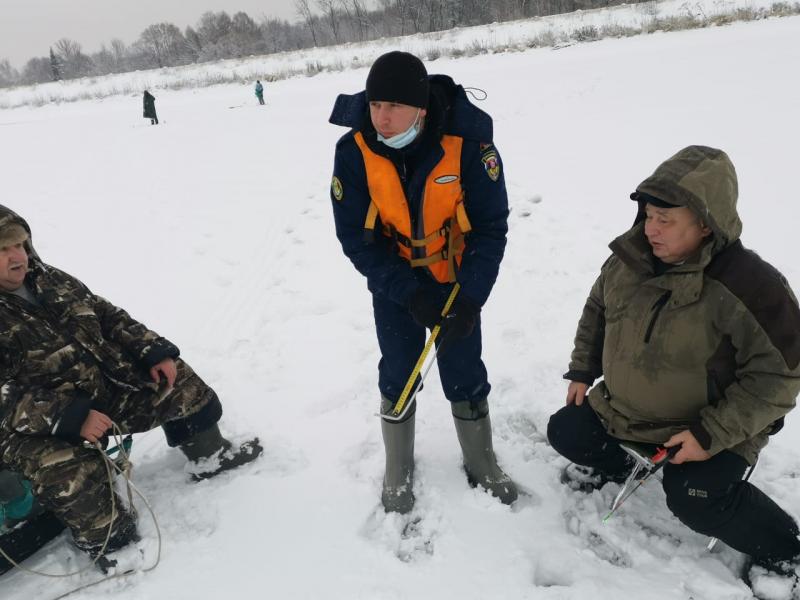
[{"x": 420, "y": 203}]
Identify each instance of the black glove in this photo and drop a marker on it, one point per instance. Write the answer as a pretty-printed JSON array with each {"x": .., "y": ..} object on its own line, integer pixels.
[
  {"x": 459, "y": 322},
  {"x": 426, "y": 307}
]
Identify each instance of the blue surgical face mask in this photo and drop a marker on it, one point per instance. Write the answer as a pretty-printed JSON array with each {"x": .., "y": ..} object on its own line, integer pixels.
[{"x": 401, "y": 140}]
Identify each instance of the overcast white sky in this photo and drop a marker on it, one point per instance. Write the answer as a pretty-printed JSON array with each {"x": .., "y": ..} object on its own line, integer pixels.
[{"x": 29, "y": 27}]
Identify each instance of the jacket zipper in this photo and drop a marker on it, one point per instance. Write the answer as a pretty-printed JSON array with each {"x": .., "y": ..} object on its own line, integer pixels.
[{"x": 656, "y": 310}]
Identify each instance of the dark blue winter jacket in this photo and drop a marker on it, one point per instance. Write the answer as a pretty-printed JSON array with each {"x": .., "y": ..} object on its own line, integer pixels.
[{"x": 485, "y": 199}]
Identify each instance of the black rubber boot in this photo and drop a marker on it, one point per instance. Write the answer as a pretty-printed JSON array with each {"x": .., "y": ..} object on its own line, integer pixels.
[
  {"x": 121, "y": 554},
  {"x": 773, "y": 579},
  {"x": 398, "y": 480},
  {"x": 124, "y": 534},
  {"x": 210, "y": 454},
  {"x": 474, "y": 431}
]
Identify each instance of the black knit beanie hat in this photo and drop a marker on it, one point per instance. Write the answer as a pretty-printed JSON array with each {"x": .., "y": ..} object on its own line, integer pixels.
[{"x": 398, "y": 77}]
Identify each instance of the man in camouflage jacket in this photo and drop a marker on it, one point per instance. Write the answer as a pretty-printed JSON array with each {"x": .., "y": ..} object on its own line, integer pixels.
[
  {"x": 71, "y": 363},
  {"x": 698, "y": 343}
]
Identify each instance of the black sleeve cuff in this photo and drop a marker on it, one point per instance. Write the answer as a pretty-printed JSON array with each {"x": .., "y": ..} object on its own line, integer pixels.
[
  {"x": 580, "y": 376},
  {"x": 68, "y": 427},
  {"x": 776, "y": 426},
  {"x": 158, "y": 352},
  {"x": 701, "y": 435}
]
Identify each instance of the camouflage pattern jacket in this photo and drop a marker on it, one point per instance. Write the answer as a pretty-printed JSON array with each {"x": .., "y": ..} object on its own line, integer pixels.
[
  {"x": 68, "y": 354},
  {"x": 712, "y": 345}
]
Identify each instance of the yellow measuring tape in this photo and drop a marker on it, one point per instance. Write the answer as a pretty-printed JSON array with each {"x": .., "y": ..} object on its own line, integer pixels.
[{"x": 401, "y": 402}]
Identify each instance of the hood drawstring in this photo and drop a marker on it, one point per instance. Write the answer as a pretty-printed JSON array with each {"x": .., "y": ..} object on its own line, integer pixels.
[{"x": 471, "y": 91}]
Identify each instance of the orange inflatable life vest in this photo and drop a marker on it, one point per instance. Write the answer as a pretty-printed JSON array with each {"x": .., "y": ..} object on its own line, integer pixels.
[{"x": 438, "y": 242}]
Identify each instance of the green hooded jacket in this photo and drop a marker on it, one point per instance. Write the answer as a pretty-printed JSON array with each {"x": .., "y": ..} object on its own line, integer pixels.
[{"x": 711, "y": 345}]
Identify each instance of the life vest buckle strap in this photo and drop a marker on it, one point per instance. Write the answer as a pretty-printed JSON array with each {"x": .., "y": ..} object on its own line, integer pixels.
[
  {"x": 429, "y": 260},
  {"x": 429, "y": 239},
  {"x": 397, "y": 237},
  {"x": 462, "y": 218},
  {"x": 446, "y": 229},
  {"x": 369, "y": 223}
]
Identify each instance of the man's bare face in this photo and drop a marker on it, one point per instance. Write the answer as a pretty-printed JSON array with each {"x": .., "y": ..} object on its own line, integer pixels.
[
  {"x": 674, "y": 233},
  {"x": 391, "y": 118},
  {"x": 13, "y": 266}
]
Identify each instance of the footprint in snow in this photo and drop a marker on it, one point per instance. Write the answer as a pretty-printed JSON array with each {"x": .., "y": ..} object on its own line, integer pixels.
[
  {"x": 280, "y": 458},
  {"x": 522, "y": 425},
  {"x": 409, "y": 537},
  {"x": 591, "y": 538},
  {"x": 363, "y": 460}
]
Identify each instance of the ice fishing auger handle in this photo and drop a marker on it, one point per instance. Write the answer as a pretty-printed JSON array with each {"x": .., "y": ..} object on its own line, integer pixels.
[
  {"x": 662, "y": 456},
  {"x": 659, "y": 459},
  {"x": 397, "y": 412}
]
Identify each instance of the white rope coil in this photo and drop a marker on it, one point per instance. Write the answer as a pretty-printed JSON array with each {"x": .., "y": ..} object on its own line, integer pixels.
[{"x": 124, "y": 470}]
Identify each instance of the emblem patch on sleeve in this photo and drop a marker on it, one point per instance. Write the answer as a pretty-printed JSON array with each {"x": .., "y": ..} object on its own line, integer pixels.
[
  {"x": 336, "y": 189},
  {"x": 491, "y": 164}
]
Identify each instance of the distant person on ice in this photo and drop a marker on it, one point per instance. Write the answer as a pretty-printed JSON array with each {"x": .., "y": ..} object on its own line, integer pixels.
[
  {"x": 698, "y": 343},
  {"x": 150, "y": 107},
  {"x": 259, "y": 92},
  {"x": 420, "y": 203},
  {"x": 71, "y": 364}
]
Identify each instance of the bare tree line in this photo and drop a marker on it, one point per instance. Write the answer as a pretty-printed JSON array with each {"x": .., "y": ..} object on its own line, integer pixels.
[{"x": 218, "y": 35}]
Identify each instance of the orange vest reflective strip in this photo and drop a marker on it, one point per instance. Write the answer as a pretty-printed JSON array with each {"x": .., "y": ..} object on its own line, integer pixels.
[{"x": 444, "y": 218}]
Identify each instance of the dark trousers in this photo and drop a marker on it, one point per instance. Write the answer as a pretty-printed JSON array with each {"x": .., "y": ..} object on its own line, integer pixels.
[
  {"x": 708, "y": 497},
  {"x": 71, "y": 480},
  {"x": 401, "y": 341}
]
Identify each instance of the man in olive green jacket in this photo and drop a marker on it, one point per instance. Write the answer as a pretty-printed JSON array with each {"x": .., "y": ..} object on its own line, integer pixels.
[{"x": 698, "y": 343}]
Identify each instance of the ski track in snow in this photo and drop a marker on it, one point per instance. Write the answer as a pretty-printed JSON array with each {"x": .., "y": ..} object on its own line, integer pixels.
[{"x": 215, "y": 230}]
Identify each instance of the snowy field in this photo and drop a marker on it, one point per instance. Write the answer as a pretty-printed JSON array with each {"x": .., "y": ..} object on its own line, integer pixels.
[
  {"x": 215, "y": 229},
  {"x": 512, "y": 35}
]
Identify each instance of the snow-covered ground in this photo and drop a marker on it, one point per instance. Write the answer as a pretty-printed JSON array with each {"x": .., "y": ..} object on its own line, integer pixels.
[
  {"x": 215, "y": 229},
  {"x": 496, "y": 37}
]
